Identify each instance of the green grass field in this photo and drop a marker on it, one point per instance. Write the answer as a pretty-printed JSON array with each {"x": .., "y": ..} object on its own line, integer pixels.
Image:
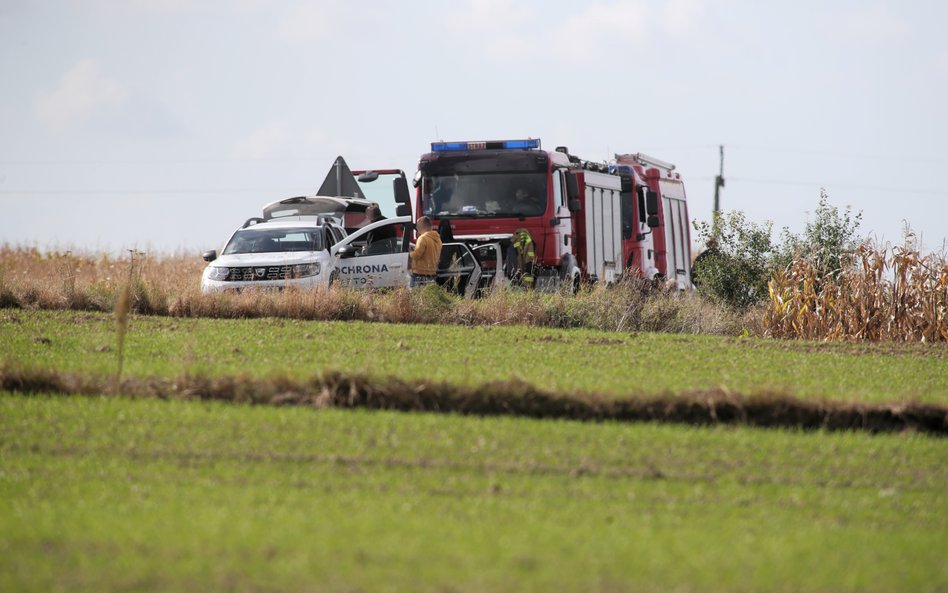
[
  {"x": 115, "y": 494},
  {"x": 102, "y": 494},
  {"x": 562, "y": 360}
]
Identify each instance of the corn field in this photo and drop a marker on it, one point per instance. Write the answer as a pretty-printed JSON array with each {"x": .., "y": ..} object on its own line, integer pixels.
[{"x": 882, "y": 294}]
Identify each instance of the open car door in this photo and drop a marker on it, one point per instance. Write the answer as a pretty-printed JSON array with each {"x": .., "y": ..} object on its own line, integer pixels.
[
  {"x": 458, "y": 270},
  {"x": 375, "y": 256}
]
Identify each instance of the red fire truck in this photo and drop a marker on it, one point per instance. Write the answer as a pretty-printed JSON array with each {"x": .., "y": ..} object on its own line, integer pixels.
[{"x": 587, "y": 221}]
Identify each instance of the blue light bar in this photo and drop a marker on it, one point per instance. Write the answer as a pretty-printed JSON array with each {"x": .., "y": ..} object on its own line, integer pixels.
[
  {"x": 532, "y": 143},
  {"x": 522, "y": 144},
  {"x": 448, "y": 146}
]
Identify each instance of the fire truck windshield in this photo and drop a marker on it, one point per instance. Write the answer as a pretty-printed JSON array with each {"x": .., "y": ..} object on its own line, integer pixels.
[{"x": 485, "y": 194}]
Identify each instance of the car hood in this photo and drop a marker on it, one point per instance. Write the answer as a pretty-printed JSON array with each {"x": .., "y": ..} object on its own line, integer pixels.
[{"x": 269, "y": 259}]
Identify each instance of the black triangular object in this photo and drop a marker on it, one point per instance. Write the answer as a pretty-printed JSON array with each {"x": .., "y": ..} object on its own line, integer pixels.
[{"x": 340, "y": 181}]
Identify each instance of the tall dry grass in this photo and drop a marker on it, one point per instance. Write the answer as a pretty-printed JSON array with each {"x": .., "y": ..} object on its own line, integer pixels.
[
  {"x": 883, "y": 293},
  {"x": 30, "y": 278},
  {"x": 887, "y": 293},
  {"x": 170, "y": 285}
]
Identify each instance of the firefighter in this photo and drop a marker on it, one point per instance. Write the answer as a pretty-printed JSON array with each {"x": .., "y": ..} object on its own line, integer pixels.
[
  {"x": 525, "y": 256},
  {"x": 426, "y": 254}
]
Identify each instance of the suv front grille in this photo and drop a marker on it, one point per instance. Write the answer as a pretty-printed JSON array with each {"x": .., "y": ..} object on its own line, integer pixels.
[{"x": 252, "y": 273}]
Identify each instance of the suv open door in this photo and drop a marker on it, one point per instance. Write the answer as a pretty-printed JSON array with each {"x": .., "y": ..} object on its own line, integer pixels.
[
  {"x": 376, "y": 256},
  {"x": 458, "y": 270}
]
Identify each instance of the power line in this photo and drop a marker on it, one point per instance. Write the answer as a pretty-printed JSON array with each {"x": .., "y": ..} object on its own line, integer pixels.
[
  {"x": 896, "y": 190},
  {"x": 685, "y": 147},
  {"x": 299, "y": 191},
  {"x": 204, "y": 161},
  {"x": 412, "y": 156},
  {"x": 830, "y": 153},
  {"x": 31, "y": 192}
]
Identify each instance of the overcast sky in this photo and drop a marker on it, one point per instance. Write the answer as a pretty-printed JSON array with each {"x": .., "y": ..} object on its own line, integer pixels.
[{"x": 163, "y": 124}]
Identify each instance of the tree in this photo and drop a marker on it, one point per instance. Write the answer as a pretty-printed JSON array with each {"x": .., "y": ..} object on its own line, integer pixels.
[
  {"x": 829, "y": 239},
  {"x": 738, "y": 263}
]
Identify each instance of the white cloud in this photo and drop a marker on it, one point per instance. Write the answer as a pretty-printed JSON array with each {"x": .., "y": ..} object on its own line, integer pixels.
[
  {"x": 874, "y": 22},
  {"x": 124, "y": 7},
  {"x": 628, "y": 17},
  {"x": 166, "y": 6},
  {"x": 309, "y": 21},
  {"x": 83, "y": 92},
  {"x": 681, "y": 18},
  {"x": 595, "y": 32},
  {"x": 604, "y": 26},
  {"x": 13, "y": 8},
  {"x": 491, "y": 15},
  {"x": 264, "y": 142},
  {"x": 941, "y": 66}
]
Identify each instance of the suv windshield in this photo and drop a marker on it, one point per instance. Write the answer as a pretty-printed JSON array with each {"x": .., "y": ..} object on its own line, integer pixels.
[
  {"x": 275, "y": 240},
  {"x": 485, "y": 185}
]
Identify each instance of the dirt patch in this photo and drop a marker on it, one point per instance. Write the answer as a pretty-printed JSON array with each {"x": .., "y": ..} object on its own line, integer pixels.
[
  {"x": 508, "y": 398},
  {"x": 604, "y": 342}
]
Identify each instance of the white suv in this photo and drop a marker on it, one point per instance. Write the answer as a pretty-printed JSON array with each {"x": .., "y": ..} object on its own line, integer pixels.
[
  {"x": 317, "y": 253},
  {"x": 274, "y": 255}
]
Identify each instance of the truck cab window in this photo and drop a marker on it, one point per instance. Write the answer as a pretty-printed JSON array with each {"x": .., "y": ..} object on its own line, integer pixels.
[{"x": 558, "y": 188}]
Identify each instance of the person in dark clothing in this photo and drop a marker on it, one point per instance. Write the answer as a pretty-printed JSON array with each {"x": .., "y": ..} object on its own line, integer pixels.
[
  {"x": 373, "y": 214},
  {"x": 444, "y": 229}
]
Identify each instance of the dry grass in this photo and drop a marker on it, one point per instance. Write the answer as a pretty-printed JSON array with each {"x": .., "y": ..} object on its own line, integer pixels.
[
  {"x": 499, "y": 398},
  {"x": 67, "y": 280},
  {"x": 170, "y": 286},
  {"x": 885, "y": 294}
]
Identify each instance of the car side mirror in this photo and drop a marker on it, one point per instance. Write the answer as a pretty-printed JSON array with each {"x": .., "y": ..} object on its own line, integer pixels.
[
  {"x": 209, "y": 256},
  {"x": 651, "y": 204},
  {"x": 574, "y": 205},
  {"x": 400, "y": 186},
  {"x": 403, "y": 210},
  {"x": 653, "y": 221},
  {"x": 572, "y": 188},
  {"x": 346, "y": 251}
]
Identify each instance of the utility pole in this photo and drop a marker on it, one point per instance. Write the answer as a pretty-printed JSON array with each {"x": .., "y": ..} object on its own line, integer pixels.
[{"x": 719, "y": 182}]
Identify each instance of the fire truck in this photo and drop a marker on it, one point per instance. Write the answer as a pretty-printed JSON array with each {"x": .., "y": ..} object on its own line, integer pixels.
[{"x": 586, "y": 221}]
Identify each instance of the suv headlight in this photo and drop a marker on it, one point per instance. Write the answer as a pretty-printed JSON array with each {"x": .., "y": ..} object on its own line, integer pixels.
[
  {"x": 217, "y": 273},
  {"x": 304, "y": 270}
]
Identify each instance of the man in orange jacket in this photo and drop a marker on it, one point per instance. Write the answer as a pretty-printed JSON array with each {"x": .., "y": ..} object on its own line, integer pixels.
[{"x": 425, "y": 256}]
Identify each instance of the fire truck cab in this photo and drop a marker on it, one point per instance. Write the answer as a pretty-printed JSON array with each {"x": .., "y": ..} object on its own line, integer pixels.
[{"x": 586, "y": 221}]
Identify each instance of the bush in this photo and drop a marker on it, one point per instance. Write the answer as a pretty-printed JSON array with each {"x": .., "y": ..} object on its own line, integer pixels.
[
  {"x": 829, "y": 241},
  {"x": 741, "y": 257},
  {"x": 738, "y": 263}
]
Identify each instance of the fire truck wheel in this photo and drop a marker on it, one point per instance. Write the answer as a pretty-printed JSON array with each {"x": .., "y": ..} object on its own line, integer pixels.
[{"x": 332, "y": 278}]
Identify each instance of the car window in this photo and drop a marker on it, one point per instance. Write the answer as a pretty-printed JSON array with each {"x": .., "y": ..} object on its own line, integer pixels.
[
  {"x": 380, "y": 241},
  {"x": 254, "y": 240},
  {"x": 455, "y": 258}
]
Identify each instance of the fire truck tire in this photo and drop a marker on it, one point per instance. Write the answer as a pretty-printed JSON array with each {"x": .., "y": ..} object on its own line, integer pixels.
[
  {"x": 569, "y": 273},
  {"x": 332, "y": 278}
]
